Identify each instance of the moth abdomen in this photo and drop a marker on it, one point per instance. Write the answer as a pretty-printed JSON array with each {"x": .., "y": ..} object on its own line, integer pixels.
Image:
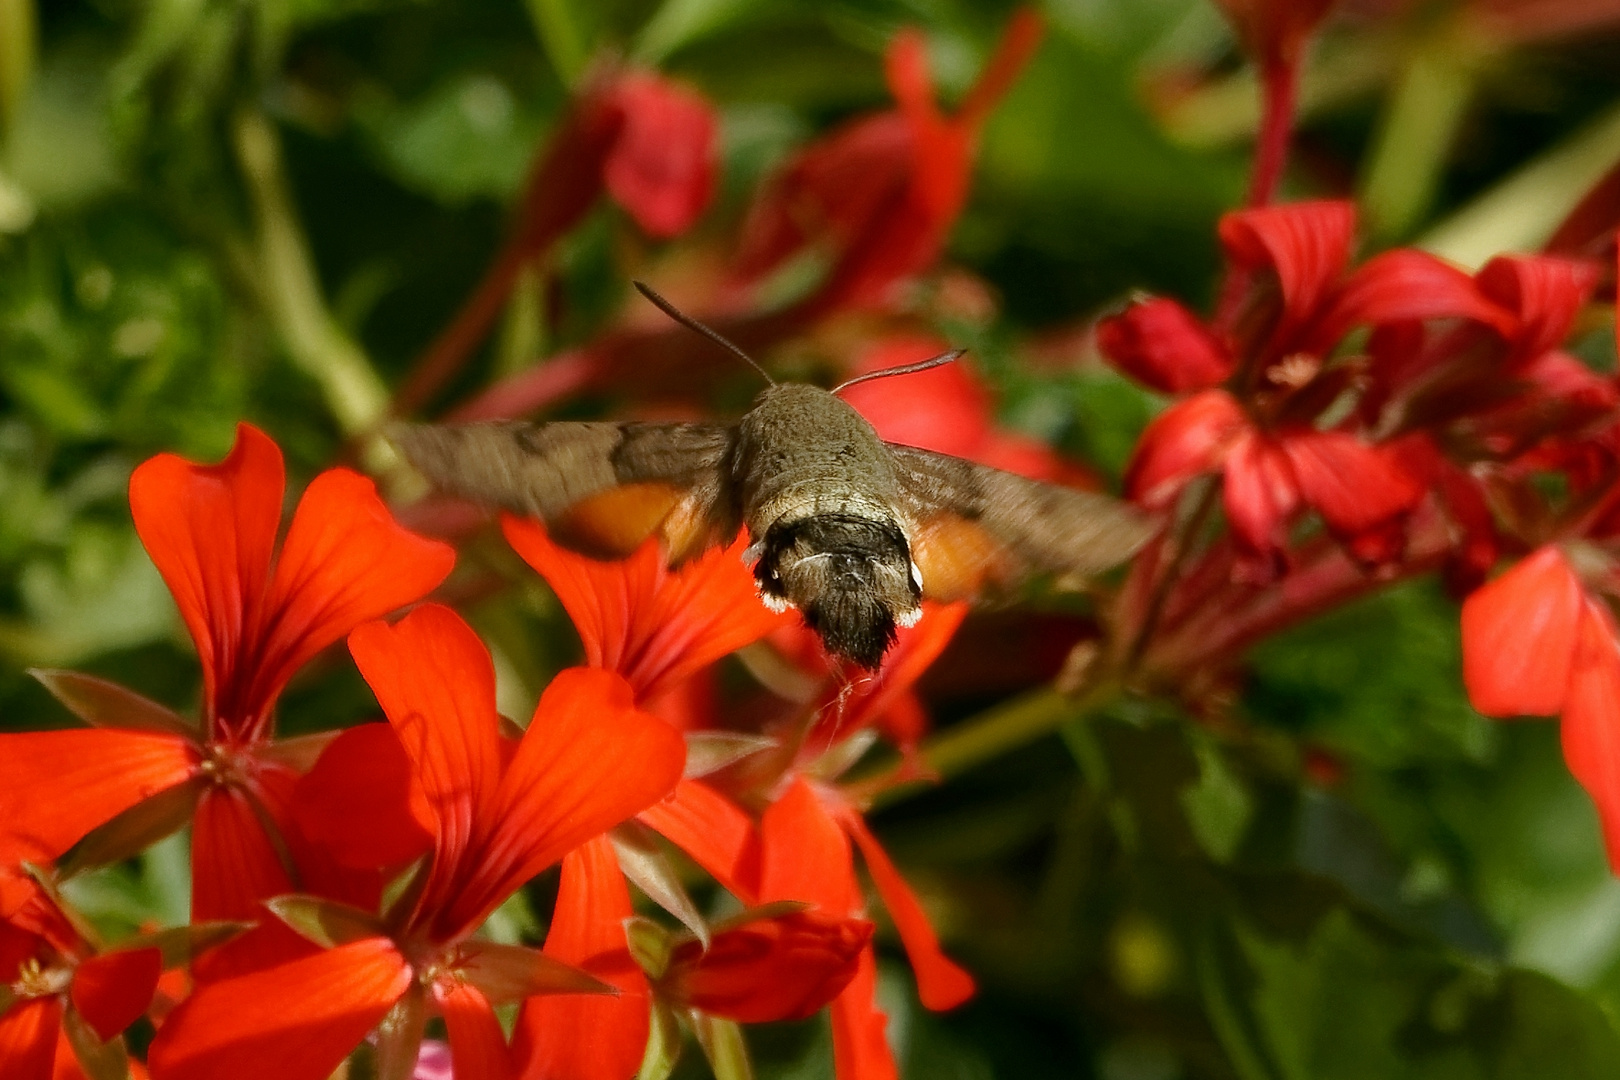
[{"x": 851, "y": 577}]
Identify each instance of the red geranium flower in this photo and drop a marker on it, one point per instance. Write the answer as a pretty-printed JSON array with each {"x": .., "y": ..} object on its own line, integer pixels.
[
  {"x": 256, "y": 617},
  {"x": 61, "y": 1001},
  {"x": 500, "y": 813},
  {"x": 883, "y": 190}
]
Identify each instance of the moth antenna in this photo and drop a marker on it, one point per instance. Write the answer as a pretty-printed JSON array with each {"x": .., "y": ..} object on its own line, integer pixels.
[
  {"x": 692, "y": 324},
  {"x": 904, "y": 369}
]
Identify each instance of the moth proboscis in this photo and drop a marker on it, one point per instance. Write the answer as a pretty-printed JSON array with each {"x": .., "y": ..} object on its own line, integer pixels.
[{"x": 852, "y": 531}]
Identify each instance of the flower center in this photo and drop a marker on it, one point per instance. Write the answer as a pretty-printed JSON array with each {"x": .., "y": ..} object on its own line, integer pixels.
[
  {"x": 35, "y": 981},
  {"x": 1295, "y": 370},
  {"x": 225, "y": 765}
]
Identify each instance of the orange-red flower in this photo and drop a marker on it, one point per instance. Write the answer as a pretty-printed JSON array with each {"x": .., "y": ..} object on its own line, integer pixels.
[
  {"x": 59, "y": 999},
  {"x": 256, "y": 616},
  {"x": 499, "y": 814}
]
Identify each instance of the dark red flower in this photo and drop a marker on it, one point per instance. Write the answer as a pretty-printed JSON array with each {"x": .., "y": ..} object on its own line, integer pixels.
[
  {"x": 500, "y": 814},
  {"x": 256, "y": 617},
  {"x": 884, "y": 190},
  {"x": 662, "y": 165},
  {"x": 1161, "y": 344}
]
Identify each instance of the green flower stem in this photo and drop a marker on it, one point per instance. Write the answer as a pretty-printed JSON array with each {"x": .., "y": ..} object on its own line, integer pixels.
[
  {"x": 560, "y": 36},
  {"x": 1003, "y": 729},
  {"x": 291, "y": 290}
]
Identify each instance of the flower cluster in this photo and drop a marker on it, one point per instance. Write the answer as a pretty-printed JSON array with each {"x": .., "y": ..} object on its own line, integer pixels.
[{"x": 1333, "y": 425}]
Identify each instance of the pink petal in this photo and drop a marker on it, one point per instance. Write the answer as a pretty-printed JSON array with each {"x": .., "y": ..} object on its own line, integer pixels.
[{"x": 1519, "y": 636}]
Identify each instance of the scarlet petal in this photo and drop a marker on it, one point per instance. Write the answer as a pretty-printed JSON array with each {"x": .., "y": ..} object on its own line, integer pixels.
[
  {"x": 1260, "y": 495},
  {"x": 652, "y": 625},
  {"x": 296, "y": 1021},
  {"x": 714, "y": 831},
  {"x": 1355, "y": 486},
  {"x": 1519, "y": 637},
  {"x": 234, "y": 863},
  {"x": 112, "y": 989},
  {"x": 1188, "y": 439},
  {"x": 55, "y": 786},
  {"x": 1591, "y": 724},
  {"x": 662, "y": 166},
  {"x": 345, "y": 561},
  {"x": 211, "y": 531},
  {"x": 1400, "y": 286},
  {"x": 588, "y": 761},
  {"x": 1545, "y": 292},
  {"x": 784, "y": 968},
  {"x": 587, "y": 1036},
  {"x": 1307, "y": 245},
  {"x": 436, "y": 683},
  {"x": 860, "y": 1030},
  {"x": 946, "y": 409},
  {"x": 807, "y": 854},
  {"x": 1163, "y": 345},
  {"x": 28, "y": 1038},
  {"x": 848, "y": 709},
  {"x": 940, "y": 983},
  {"x": 359, "y": 801},
  {"x": 477, "y": 1044}
]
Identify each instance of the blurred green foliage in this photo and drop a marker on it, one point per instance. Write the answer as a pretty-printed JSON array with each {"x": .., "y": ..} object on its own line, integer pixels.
[{"x": 1351, "y": 876}]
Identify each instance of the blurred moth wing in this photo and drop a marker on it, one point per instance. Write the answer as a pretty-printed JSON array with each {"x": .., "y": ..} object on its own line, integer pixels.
[{"x": 850, "y": 530}]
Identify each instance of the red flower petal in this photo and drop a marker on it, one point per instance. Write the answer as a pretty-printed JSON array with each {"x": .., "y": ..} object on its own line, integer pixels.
[
  {"x": 55, "y": 786},
  {"x": 807, "y": 855},
  {"x": 235, "y": 864},
  {"x": 112, "y": 989},
  {"x": 1354, "y": 486},
  {"x": 653, "y": 625},
  {"x": 587, "y": 1036},
  {"x": 435, "y": 682},
  {"x": 477, "y": 1044},
  {"x": 1260, "y": 494},
  {"x": 662, "y": 166},
  {"x": 211, "y": 531},
  {"x": 1164, "y": 346},
  {"x": 1189, "y": 438},
  {"x": 345, "y": 561},
  {"x": 1017, "y": 47},
  {"x": 28, "y": 1038},
  {"x": 1591, "y": 725},
  {"x": 1400, "y": 286},
  {"x": 714, "y": 831},
  {"x": 785, "y": 968},
  {"x": 1544, "y": 292},
  {"x": 1519, "y": 636},
  {"x": 296, "y": 1021},
  {"x": 941, "y": 984},
  {"x": 1307, "y": 245},
  {"x": 860, "y": 1030},
  {"x": 360, "y": 804},
  {"x": 588, "y": 761}
]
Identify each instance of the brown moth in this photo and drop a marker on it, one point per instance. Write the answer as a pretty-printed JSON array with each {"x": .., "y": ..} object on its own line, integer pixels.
[{"x": 852, "y": 531}]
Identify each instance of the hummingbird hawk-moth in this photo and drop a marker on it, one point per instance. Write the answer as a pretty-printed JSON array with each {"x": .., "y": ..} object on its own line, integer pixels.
[{"x": 852, "y": 531}]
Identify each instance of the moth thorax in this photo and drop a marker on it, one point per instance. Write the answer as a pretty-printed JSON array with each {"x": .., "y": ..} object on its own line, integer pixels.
[{"x": 851, "y": 578}]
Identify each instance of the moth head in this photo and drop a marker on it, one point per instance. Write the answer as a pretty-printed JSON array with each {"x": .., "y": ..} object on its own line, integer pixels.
[{"x": 851, "y": 578}]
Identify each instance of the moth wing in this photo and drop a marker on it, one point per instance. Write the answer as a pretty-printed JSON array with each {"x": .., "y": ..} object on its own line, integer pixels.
[
  {"x": 601, "y": 488},
  {"x": 974, "y": 526}
]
